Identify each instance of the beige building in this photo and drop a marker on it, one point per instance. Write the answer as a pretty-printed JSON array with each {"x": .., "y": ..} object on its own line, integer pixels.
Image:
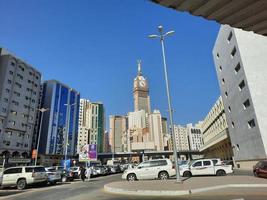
[
  {"x": 181, "y": 136},
  {"x": 91, "y": 124},
  {"x": 215, "y": 133},
  {"x": 118, "y": 128},
  {"x": 156, "y": 130}
]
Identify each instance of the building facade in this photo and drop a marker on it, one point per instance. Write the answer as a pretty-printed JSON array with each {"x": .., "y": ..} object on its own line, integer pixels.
[
  {"x": 214, "y": 128},
  {"x": 118, "y": 128},
  {"x": 194, "y": 136},
  {"x": 240, "y": 60},
  {"x": 60, "y": 124},
  {"x": 181, "y": 138},
  {"x": 155, "y": 127},
  {"x": 19, "y": 96}
]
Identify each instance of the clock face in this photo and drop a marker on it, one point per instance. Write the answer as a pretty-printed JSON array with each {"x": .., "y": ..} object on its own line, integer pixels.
[{"x": 142, "y": 83}]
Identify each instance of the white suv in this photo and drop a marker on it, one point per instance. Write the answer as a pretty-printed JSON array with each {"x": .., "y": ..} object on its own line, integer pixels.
[
  {"x": 23, "y": 176},
  {"x": 151, "y": 169}
]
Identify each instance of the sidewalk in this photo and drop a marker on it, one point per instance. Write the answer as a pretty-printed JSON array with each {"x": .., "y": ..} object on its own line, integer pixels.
[{"x": 189, "y": 186}]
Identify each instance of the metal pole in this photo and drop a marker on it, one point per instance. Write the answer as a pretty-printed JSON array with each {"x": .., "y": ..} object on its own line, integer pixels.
[
  {"x": 38, "y": 142},
  {"x": 67, "y": 136},
  {"x": 178, "y": 178}
]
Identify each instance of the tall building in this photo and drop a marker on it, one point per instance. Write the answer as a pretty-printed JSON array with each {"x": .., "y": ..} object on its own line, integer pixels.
[
  {"x": 60, "y": 123},
  {"x": 118, "y": 128},
  {"x": 181, "y": 138},
  {"x": 155, "y": 127},
  {"x": 19, "y": 96},
  {"x": 240, "y": 60},
  {"x": 106, "y": 142},
  {"x": 194, "y": 136},
  {"x": 216, "y": 140},
  {"x": 141, "y": 92}
]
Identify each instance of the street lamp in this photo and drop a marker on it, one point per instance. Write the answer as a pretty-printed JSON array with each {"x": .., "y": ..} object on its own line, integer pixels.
[
  {"x": 161, "y": 36},
  {"x": 67, "y": 132},
  {"x": 42, "y": 110}
]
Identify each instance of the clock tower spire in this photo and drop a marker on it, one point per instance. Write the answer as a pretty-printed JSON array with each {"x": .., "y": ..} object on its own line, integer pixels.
[{"x": 141, "y": 91}]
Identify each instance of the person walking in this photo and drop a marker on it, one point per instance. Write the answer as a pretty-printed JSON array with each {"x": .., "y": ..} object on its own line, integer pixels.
[
  {"x": 83, "y": 173},
  {"x": 88, "y": 173}
]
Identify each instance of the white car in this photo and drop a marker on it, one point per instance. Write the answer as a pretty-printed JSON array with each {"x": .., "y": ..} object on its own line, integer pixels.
[
  {"x": 205, "y": 167},
  {"x": 22, "y": 176},
  {"x": 151, "y": 169},
  {"x": 53, "y": 176}
]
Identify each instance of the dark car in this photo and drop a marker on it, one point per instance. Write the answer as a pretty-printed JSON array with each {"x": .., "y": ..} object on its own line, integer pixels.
[
  {"x": 260, "y": 169},
  {"x": 67, "y": 175}
]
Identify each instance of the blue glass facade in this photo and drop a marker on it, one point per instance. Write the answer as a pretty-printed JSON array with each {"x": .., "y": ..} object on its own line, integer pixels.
[{"x": 62, "y": 119}]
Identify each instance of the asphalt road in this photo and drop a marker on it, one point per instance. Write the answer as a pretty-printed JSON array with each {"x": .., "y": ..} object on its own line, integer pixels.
[{"x": 93, "y": 190}]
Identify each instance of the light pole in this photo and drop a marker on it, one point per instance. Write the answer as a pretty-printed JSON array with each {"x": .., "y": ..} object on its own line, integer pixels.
[
  {"x": 161, "y": 36},
  {"x": 42, "y": 110},
  {"x": 67, "y": 132}
]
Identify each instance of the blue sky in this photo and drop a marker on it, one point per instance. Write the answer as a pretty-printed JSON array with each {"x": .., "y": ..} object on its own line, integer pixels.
[{"x": 93, "y": 46}]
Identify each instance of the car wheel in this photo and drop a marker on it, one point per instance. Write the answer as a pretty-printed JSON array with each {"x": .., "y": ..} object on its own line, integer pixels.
[
  {"x": 220, "y": 173},
  {"x": 187, "y": 174},
  {"x": 21, "y": 184},
  {"x": 131, "y": 177},
  {"x": 163, "y": 175},
  {"x": 64, "y": 179},
  {"x": 53, "y": 183}
]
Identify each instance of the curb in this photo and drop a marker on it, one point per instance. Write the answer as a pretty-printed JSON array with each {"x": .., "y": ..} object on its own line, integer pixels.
[
  {"x": 177, "y": 192},
  {"x": 146, "y": 192}
]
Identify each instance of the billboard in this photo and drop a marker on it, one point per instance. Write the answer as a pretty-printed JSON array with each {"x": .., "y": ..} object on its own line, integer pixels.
[{"x": 88, "y": 152}]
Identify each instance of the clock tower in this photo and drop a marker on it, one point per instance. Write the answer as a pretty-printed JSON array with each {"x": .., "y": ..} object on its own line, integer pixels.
[{"x": 141, "y": 92}]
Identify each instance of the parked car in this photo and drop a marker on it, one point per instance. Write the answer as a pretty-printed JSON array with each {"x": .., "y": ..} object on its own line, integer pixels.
[
  {"x": 23, "y": 176},
  {"x": 260, "y": 169},
  {"x": 76, "y": 172},
  {"x": 152, "y": 169},
  {"x": 53, "y": 176},
  {"x": 115, "y": 169},
  {"x": 66, "y": 175},
  {"x": 205, "y": 167}
]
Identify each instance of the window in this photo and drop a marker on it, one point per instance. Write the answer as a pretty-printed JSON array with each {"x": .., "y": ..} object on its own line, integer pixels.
[
  {"x": 229, "y": 109},
  {"x": 7, "y": 90},
  {"x": 230, "y": 36},
  {"x": 218, "y": 55},
  {"x": 22, "y": 69},
  {"x": 233, "y": 125},
  {"x": 12, "y": 64},
  {"x": 241, "y": 85},
  {"x": 13, "y": 112},
  {"x": 246, "y": 104},
  {"x": 28, "y": 169},
  {"x": 11, "y": 73},
  {"x": 20, "y": 76},
  {"x": 17, "y": 84},
  {"x": 9, "y": 81},
  {"x": 16, "y": 93},
  {"x": 237, "y": 68},
  {"x": 197, "y": 164},
  {"x": 12, "y": 122},
  {"x": 5, "y": 100},
  {"x": 4, "y": 110},
  {"x": 233, "y": 52},
  {"x": 15, "y": 103},
  {"x": 13, "y": 170},
  {"x": 251, "y": 123},
  {"x": 206, "y": 163},
  {"x": 220, "y": 68},
  {"x": 226, "y": 94},
  {"x": 223, "y": 81}
]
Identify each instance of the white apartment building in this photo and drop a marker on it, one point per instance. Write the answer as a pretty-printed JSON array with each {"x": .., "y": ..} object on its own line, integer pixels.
[
  {"x": 19, "y": 98},
  {"x": 240, "y": 61},
  {"x": 195, "y": 137},
  {"x": 181, "y": 137}
]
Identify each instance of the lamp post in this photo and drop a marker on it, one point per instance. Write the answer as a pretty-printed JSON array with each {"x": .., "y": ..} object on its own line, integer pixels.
[
  {"x": 42, "y": 110},
  {"x": 161, "y": 36},
  {"x": 67, "y": 132}
]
